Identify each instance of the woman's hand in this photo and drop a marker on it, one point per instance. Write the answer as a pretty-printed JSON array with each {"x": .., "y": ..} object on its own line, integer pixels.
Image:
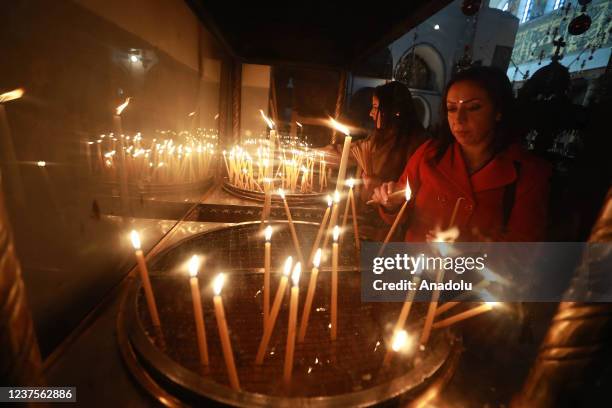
[{"x": 382, "y": 196}]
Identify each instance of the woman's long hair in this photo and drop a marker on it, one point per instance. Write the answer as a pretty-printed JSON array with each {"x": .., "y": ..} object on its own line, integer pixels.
[
  {"x": 397, "y": 112},
  {"x": 495, "y": 82}
]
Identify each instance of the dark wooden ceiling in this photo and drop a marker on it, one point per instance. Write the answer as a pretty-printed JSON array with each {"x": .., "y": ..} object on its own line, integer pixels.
[{"x": 334, "y": 34}]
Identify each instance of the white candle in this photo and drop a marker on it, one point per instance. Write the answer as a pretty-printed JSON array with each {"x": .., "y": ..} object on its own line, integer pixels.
[
  {"x": 312, "y": 285},
  {"x": 144, "y": 276},
  {"x": 267, "y": 256},
  {"x": 226, "y": 345},
  {"x": 194, "y": 266},
  {"x": 397, "y": 220},
  {"x": 293, "y": 308},
  {"x": 269, "y": 327},
  {"x": 294, "y": 236},
  {"x": 334, "y": 284}
]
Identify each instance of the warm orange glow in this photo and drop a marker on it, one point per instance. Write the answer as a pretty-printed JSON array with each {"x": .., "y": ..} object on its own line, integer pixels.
[
  {"x": 329, "y": 201},
  {"x": 408, "y": 192},
  {"x": 121, "y": 107},
  {"x": 135, "y": 239},
  {"x": 336, "y": 233},
  {"x": 317, "y": 258},
  {"x": 340, "y": 127},
  {"x": 11, "y": 95},
  {"x": 194, "y": 265},
  {"x": 268, "y": 233},
  {"x": 268, "y": 121},
  {"x": 288, "y": 264},
  {"x": 295, "y": 276},
  {"x": 218, "y": 284}
]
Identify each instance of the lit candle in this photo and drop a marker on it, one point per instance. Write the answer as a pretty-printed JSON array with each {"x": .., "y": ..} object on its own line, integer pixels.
[
  {"x": 397, "y": 220},
  {"x": 354, "y": 214},
  {"x": 334, "y": 283},
  {"x": 345, "y": 152},
  {"x": 399, "y": 342},
  {"x": 332, "y": 219},
  {"x": 312, "y": 285},
  {"x": 123, "y": 187},
  {"x": 321, "y": 229},
  {"x": 193, "y": 266},
  {"x": 475, "y": 311},
  {"x": 7, "y": 149},
  {"x": 294, "y": 236},
  {"x": 269, "y": 327},
  {"x": 403, "y": 316},
  {"x": 267, "y": 250},
  {"x": 144, "y": 276},
  {"x": 293, "y": 309},
  {"x": 226, "y": 345}
]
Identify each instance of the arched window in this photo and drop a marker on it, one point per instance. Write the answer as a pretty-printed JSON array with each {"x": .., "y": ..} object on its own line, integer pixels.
[{"x": 414, "y": 72}]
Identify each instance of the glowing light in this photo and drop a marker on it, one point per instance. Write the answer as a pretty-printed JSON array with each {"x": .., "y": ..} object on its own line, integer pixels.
[
  {"x": 218, "y": 284},
  {"x": 41, "y": 163},
  {"x": 317, "y": 258},
  {"x": 340, "y": 127},
  {"x": 336, "y": 233},
  {"x": 329, "y": 201},
  {"x": 11, "y": 95},
  {"x": 194, "y": 265},
  {"x": 408, "y": 192},
  {"x": 133, "y": 58},
  {"x": 121, "y": 107},
  {"x": 281, "y": 193},
  {"x": 400, "y": 338},
  {"x": 268, "y": 233},
  {"x": 299, "y": 124},
  {"x": 437, "y": 27},
  {"x": 295, "y": 276},
  {"x": 268, "y": 121},
  {"x": 287, "y": 267},
  {"x": 135, "y": 237},
  {"x": 350, "y": 183},
  {"x": 336, "y": 197}
]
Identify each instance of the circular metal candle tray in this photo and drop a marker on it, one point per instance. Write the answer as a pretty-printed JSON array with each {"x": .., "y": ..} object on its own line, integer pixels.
[
  {"x": 154, "y": 189},
  {"x": 292, "y": 198},
  {"x": 346, "y": 372}
]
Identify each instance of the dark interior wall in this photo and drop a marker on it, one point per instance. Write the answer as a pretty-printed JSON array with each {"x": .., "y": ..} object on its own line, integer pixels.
[{"x": 73, "y": 63}]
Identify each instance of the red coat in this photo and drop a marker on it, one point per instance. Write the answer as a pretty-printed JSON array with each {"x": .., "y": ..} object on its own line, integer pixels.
[{"x": 436, "y": 186}]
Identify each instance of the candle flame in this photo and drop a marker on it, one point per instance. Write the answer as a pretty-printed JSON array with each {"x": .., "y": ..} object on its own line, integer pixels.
[
  {"x": 281, "y": 193},
  {"x": 408, "y": 192},
  {"x": 191, "y": 114},
  {"x": 492, "y": 304},
  {"x": 336, "y": 233},
  {"x": 329, "y": 200},
  {"x": 299, "y": 124},
  {"x": 135, "y": 237},
  {"x": 317, "y": 258},
  {"x": 399, "y": 340},
  {"x": 336, "y": 197},
  {"x": 9, "y": 96},
  {"x": 339, "y": 127},
  {"x": 121, "y": 107},
  {"x": 268, "y": 233},
  {"x": 218, "y": 284},
  {"x": 194, "y": 265},
  {"x": 268, "y": 121},
  {"x": 288, "y": 264},
  {"x": 41, "y": 163},
  {"x": 350, "y": 183},
  {"x": 295, "y": 276}
]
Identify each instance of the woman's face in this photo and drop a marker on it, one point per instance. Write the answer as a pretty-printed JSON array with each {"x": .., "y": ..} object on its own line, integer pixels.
[
  {"x": 374, "y": 113},
  {"x": 471, "y": 114}
]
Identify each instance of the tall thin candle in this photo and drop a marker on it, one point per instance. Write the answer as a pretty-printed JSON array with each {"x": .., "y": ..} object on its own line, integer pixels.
[
  {"x": 312, "y": 285},
  {"x": 334, "y": 283},
  {"x": 226, "y": 345},
  {"x": 269, "y": 327},
  {"x": 321, "y": 229},
  {"x": 194, "y": 266},
  {"x": 397, "y": 220},
  {"x": 144, "y": 276},
  {"x": 293, "y": 309},
  {"x": 267, "y": 255},
  {"x": 294, "y": 236}
]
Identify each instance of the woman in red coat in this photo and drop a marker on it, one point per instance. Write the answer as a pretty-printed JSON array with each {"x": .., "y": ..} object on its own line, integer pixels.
[{"x": 499, "y": 190}]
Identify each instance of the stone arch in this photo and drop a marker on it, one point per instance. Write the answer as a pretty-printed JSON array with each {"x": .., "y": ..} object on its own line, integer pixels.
[
  {"x": 427, "y": 57},
  {"x": 423, "y": 110}
]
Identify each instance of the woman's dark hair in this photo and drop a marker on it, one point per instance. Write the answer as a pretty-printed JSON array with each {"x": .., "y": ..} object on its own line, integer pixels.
[
  {"x": 396, "y": 110},
  {"x": 495, "y": 82}
]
